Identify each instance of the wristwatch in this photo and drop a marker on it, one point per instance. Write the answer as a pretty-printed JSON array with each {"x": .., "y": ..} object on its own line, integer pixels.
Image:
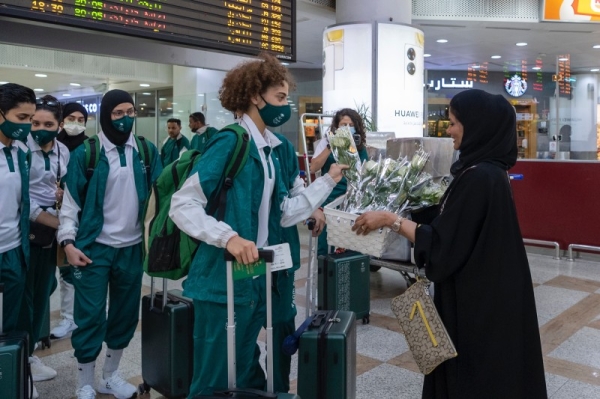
[
  {"x": 397, "y": 224},
  {"x": 64, "y": 243},
  {"x": 329, "y": 146}
]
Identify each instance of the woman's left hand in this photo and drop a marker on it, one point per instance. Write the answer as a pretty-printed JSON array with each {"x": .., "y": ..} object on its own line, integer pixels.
[{"x": 374, "y": 220}]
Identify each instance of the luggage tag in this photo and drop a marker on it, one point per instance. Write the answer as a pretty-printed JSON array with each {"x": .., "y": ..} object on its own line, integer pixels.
[{"x": 282, "y": 260}]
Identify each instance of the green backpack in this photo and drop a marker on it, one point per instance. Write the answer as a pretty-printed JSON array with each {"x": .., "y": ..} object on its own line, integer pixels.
[
  {"x": 170, "y": 251},
  {"x": 92, "y": 155}
]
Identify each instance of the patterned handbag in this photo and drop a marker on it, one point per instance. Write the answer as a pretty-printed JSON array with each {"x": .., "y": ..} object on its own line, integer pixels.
[{"x": 423, "y": 329}]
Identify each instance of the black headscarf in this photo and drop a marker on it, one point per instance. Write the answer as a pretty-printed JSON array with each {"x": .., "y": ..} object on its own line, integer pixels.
[
  {"x": 72, "y": 142},
  {"x": 489, "y": 130},
  {"x": 110, "y": 100}
]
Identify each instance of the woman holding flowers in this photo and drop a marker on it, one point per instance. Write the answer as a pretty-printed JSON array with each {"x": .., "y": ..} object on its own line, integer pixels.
[
  {"x": 473, "y": 251},
  {"x": 323, "y": 157}
]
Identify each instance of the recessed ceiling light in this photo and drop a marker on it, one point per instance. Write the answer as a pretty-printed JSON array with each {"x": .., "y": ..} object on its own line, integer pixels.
[
  {"x": 521, "y": 44},
  {"x": 38, "y": 89},
  {"x": 563, "y": 59},
  {"x": 3, "y": 83},
  {"x": 200, "y": 95},
  {"x": 596, "y": 46},
  {"x": 41, "y": 75},
  {"x": 476, "y": 66},
  {"x": 144, "y": 85},
  {"x": 66, "y": 95},
  {"x": 442, "y": 41},
  {"x": 162, "y": 98},
  {"x": 147, "y": 94},
  {"x": 426, "y": 55},
  {"x": 75, "y": 84},
  {"x": 496, "y": 57},
  {"x": 285, "y": 63},
  {"x": 536, "y": 68},
  {"x": 594, "y": 70}
]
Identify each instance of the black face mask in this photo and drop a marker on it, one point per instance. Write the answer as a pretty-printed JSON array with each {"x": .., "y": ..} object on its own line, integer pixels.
[{"x": 110, "y": 100}]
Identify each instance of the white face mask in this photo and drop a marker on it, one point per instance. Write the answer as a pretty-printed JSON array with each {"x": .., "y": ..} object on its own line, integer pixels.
[{"x": 74, "y": 128}]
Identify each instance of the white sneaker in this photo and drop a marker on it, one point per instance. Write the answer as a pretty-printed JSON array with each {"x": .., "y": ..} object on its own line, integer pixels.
[
  {"x": 34, "y": 393},
  {"x": 87, "y": 392},
  {"x": 39, "y": 371},
  {"x": 117, "y": 386},
  {"x": 63, "y": 328}
]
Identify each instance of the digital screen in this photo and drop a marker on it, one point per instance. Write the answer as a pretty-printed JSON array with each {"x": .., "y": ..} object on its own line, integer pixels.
[
  {"x": 237, "y": 26},
  {"x": 478, "y": 73},
  {"x": 564, "y": 75}
]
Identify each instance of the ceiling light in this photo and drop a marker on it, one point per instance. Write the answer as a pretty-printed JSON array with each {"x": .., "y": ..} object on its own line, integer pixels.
[
  {"x": 563, "y": 59},
  {"x": 426, "y": 55},
  {"x": 162, "y": 99},
  {"x": 594, "y": 70},
  {"x": 496, "y": 57},
  {"x": 144, "y": 85},
  {"x": 200, "y": 95},
  {"x": 38, "y": 89},
  {"x": 285, "y": 63},
  {"x": 442, "y": 41},
  {"x": 521, "y": 44},
  {"x": 536, "y": 68},
  {"x": 476, "y": 66},
  {"x": 66, "y": 95},
  {"x": 147, "y": 94},
  {"x": 75, "y": 84},
  {"x": 40, "y": 75},
  {"x": 596, "y": 46}
]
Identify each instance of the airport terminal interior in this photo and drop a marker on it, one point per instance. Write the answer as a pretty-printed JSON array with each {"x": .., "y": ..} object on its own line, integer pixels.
[{"x": 543, "y": 56}]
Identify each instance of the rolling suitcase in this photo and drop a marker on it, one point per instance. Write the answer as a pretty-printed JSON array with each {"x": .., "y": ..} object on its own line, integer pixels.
[
  {"x": 15, "y": 382},
  {"x": 232, "y": 391},
  {"x": 167, "y": 342},
  {"x": 344, "y": 283},
  {"x": 327, "y": 356}
]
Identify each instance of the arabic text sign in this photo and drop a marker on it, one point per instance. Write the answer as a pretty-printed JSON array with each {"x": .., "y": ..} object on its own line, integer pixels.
[
  {"x": 571, "y": 10},
  {"x": 239, "y": 26},
  {"x": 451, "y": 83}
]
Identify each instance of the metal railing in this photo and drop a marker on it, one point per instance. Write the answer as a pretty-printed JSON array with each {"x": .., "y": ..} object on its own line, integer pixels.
[
  {"x": 579, "y": 246},
  {"x": 542, "y": 243}
]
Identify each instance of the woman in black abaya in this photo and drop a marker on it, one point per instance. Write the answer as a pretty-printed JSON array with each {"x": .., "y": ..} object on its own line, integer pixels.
[{"x": 473, "y": 251}]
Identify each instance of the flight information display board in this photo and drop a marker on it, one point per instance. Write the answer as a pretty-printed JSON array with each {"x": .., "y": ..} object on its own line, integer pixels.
[{"x": 238, "y": 26}]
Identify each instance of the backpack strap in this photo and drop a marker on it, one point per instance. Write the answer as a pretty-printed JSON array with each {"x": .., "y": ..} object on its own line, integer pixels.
[
  {"x": 145, "y": 153},
  {"x": 236, "y": 162},
  {"x": 92, "y": 155}
]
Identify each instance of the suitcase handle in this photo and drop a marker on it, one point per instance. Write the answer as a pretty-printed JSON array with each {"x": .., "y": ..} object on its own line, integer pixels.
[{"x": 265, "y": 254}]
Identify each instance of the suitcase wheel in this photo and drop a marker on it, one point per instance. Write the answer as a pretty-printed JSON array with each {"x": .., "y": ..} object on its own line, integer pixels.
[
  {"x": 46, "y": 343},
  {"x": 143, "y": 388},
  {"x": 366, "y": 319}
]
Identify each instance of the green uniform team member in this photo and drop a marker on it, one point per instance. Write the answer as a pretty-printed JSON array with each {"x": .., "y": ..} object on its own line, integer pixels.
[
  {"x": 202, "y": 131},
  {"x": 49, "y": 160},
  {"x": 17, "y": 107},
  {"x": 104, "y": 243},
  {"x": 323, "y": 158},
  {"x": 257, "y": 207},
  {"x": 72, "y": 136},
  {"x": 284, "y": 308},
  {"x": 175, "y": 144}
]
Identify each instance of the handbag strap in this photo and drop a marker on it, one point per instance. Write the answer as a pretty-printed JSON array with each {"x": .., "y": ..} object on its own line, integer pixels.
[
  {"x": 58, "y": 170},
  {"x": 452, "y": 187}
]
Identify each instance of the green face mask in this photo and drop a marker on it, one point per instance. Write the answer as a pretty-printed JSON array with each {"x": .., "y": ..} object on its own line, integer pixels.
[
  {"x": 15, "y": 131},
  {"x": 274, "y": 115},
  {"x": 44, "y": 136},
  {"x": 125, "y": 124}
]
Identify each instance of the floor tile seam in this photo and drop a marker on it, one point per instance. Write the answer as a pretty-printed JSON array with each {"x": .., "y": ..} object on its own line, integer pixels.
[
  {"x": 553, "y": 365},
  {"x": 557, "y": 282},
  {"x": 573, "y": 323}
]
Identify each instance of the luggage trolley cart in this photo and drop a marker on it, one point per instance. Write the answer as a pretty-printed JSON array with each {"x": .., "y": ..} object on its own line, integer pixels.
[
  {"x": 311, "y": 126},
  {"x": 406, "y": 269}
]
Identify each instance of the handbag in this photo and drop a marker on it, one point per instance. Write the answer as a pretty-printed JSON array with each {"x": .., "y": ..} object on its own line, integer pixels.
[
  {"x": 41, "y": 235},
  {"x": 423, "y": 329}
]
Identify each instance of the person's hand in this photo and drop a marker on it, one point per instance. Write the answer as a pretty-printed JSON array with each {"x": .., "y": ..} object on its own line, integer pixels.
[
  {"x": 320, "y": 222},
  {"x": 374, "y": 220},
  {"x": 59, "y": 195},
  {"x": 335, "y": 171},
  {"x": 76, "y": 257},
  {"x": 244, "y": 251}
]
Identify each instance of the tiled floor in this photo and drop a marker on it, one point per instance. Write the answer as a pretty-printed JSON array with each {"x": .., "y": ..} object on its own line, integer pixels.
[{"x": 568, "y": 303}]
